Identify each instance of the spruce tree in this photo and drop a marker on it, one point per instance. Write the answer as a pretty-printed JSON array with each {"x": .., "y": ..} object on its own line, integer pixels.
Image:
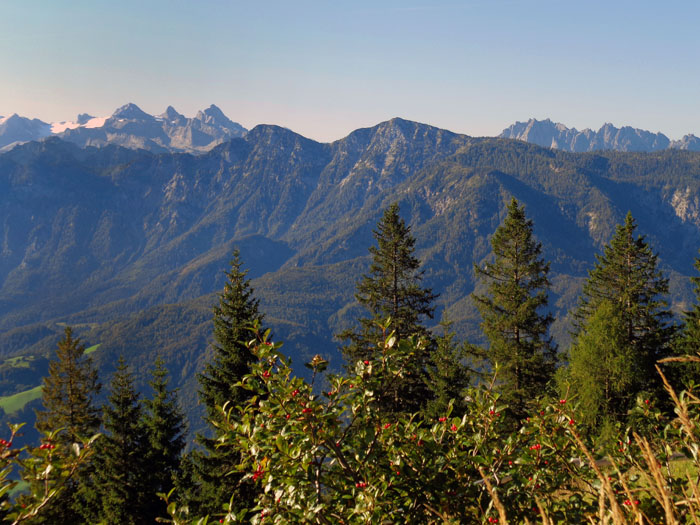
[
  {"x": 68, "y": 393},
  {"x": 627, "y": 276},
  {"x": 68, "y": 399},
  {"x": 452, "y": 369},
  {"x": 165, "y": 429},
  {"x": 512, "y": 311},
  {"x": 119, "y": 491},
  {"x": 213, "y": 466},
  {"x": 392, "y": 290}
]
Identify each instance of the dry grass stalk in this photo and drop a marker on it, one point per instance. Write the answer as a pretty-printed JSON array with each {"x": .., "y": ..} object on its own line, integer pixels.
[
  {"x": 639, "y": 518},
  {"x": 681, "y": 407},
  {"x": 616, "y": 512},
  {"x": 693, "y": 502},
  {"x": 656, "y": 482}
]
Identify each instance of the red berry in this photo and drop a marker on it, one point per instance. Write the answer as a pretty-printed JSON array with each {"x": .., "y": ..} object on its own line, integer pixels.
[
  {"x": 366, "y": 362},
  {"x": 442, "y": 419},
  {"x": 453, "y": 428}
]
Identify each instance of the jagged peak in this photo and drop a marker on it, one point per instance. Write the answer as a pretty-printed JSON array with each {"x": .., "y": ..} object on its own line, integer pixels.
[
  {"x": 215, "y": 112},
  {"x": 131, "y": 111},
  {"x": 171, "y": 113},
  {"x": 83, "y": 118}
]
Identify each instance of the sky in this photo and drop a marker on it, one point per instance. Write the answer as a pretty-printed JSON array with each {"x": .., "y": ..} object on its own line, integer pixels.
[{"x": 325, "y": 68}]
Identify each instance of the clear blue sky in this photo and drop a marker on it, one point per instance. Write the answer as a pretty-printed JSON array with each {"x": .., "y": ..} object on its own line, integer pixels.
[{"x": 324, "y": 68}]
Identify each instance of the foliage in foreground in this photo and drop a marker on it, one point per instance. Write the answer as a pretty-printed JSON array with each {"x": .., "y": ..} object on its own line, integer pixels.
[
  {"x": 48, "y": 468},
  {"x": 333, "y": 457}
]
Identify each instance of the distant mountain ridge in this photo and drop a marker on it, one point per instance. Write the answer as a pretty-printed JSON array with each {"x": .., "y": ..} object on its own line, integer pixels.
[
  {"x": 130, "y": 127},
  {"x": 556, "y": 135}
]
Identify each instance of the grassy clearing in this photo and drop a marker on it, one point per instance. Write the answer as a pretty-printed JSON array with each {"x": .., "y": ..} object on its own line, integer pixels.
[
  {"x": 21, "y": 361},
  {"x": 92, "y": 349},
  {"x": 14, "y": 403}
]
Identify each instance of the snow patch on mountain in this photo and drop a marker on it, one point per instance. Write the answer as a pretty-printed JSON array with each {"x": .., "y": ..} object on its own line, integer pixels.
[{"x": 131, "y": 127}]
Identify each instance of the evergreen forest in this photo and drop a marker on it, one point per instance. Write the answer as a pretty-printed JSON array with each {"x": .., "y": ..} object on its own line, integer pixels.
[{"x": 420, "y": 425}]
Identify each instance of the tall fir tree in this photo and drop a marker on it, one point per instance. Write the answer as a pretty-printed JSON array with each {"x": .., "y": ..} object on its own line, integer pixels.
[
  {"x": 212, "y": 468},
  {"x": 119, "y": 492},
  {"x": 165, "y": 430},
  {"x": 627, "y": 276},
  {"x": 68, "y": 399},
  {"x": 512, "y": 311},
  {"x": 392, "y": 290},
  {"x": 68, "y": 393}
]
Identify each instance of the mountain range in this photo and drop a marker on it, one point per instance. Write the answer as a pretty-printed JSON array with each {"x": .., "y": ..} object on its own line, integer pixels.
[
  {"x": 129, "y": 246},
  {"x": 555, "y": 135},
  {"x": 130, "y": 127}
]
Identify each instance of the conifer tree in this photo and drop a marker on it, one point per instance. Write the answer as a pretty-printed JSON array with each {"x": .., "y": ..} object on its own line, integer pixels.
[
  {"x": 214, "y": 467},
  {"x": 392, "y": 290},
  {"x": 68, "y": 399},
  {"x": 626, "y": 275},
  {"x": 69, "y": 391},
  {"x": 165, "y": 429},
  {"x": 451, "y": 371},
  {"x": 512, "y": 311},
  {"x": 119, "y": 491},
  {"x": 688, "y": 340},
  {"x": 602, "y": 370}
]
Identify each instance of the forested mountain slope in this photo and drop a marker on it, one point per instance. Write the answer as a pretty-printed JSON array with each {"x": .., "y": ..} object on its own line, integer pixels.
[{"x": 129, "y": 246}]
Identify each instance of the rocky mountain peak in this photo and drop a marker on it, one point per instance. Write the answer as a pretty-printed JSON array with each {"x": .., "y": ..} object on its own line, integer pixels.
[
  {"x": 215, "y": 112},
  {"x": 172, "y": 115},
  {"x": 130, "y": 127},
  {"x": 83, "y": 118},
  {"x": 609, "y": 137},
  {"x": 131, "y": 111}
]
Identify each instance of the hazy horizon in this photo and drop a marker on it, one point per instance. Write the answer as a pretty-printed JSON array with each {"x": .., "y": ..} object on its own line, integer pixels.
[{"x": 324, "y": 69}]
